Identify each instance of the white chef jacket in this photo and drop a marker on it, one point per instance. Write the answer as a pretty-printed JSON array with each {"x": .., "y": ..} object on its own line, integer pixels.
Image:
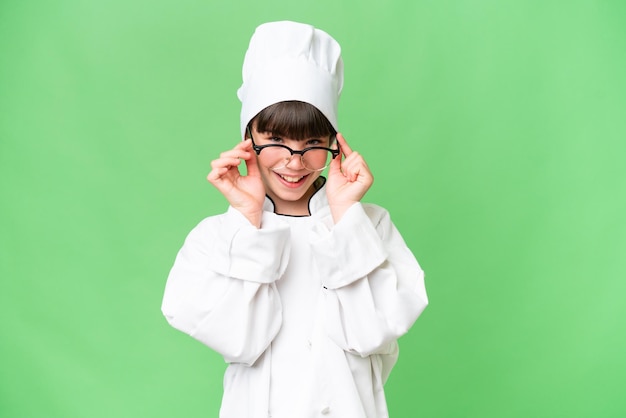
[{"x": 307, "y": 313}]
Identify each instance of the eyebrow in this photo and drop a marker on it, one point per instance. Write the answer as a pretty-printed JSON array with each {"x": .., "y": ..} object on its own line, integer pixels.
[{"x": 281, "y": 135}]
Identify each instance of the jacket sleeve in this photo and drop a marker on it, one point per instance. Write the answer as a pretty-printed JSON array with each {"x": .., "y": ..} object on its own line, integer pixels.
[
  {"x": 221, "y": 289},
  {"x": 373, "y": 285}
]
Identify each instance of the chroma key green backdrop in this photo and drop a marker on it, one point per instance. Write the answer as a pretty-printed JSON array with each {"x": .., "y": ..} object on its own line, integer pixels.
[{"x": 495, "y": 130}]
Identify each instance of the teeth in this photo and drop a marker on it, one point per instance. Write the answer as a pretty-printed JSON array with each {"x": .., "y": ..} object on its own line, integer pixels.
[{"x": 291, "y": 179}]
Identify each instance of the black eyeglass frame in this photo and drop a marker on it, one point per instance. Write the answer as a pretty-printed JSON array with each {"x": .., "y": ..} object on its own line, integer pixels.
[{"x": 259, "y": 148}]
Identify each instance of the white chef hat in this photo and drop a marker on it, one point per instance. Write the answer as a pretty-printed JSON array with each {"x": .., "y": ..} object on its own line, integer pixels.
[{"x": 291, "y": 61}]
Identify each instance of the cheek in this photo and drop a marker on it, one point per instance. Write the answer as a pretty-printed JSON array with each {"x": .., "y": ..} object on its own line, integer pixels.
[
  {"x": 313, "y": 176},
  {"x": 260, "y": 163}
]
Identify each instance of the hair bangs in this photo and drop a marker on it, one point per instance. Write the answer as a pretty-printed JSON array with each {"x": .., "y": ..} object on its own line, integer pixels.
[{"x": 294, "y": 119}]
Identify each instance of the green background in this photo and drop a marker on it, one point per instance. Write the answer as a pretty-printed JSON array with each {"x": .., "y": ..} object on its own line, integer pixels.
[{"x": 495, "y": 130}]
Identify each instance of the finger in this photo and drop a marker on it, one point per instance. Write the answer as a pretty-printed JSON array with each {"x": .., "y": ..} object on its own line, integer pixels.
[
  {"x": 241, "y": 150},
  {"x": 356, "y": 167},
  {"x": 236, "y": 153},
  {"x": 352, "y": 173},
  {"x": 216, "y": 174},
  {"x": 245, "y": 144},
  {"x": 227, "y": 162},
  {"x": 335, "y": 166},
  {"x": 343, "y": 145},
  {"x": 252, "y": 166},
  {"x": 354, "y": 160},
  {"x": 350, "y": 165}
]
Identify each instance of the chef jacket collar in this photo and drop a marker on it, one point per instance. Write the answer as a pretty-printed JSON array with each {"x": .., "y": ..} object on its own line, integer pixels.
[{"x": 316, "y": 202}]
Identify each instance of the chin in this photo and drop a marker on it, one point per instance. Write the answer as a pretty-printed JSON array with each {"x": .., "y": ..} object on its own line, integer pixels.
[{"x": 285, "y": 193}]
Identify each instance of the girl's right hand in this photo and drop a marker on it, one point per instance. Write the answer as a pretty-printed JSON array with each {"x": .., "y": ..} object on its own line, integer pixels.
[{"x": 244, "y": 193}]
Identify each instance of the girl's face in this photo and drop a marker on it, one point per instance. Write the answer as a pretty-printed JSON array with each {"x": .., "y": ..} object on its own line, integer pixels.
[{"x": 290, "y": 185}]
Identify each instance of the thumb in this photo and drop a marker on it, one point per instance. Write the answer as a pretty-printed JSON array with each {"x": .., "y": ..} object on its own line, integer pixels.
[{"x": 252, "y": 166}]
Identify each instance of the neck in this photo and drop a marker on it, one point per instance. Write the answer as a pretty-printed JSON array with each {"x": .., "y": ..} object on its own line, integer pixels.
[{"x": 299, "y": 207}]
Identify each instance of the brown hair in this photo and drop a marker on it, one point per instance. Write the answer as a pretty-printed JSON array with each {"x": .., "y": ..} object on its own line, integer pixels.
[{"x": 295, "y": 120}]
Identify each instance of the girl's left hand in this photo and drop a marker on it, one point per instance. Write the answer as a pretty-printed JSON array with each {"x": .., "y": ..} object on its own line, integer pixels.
[{"x": 348, "y": 180}]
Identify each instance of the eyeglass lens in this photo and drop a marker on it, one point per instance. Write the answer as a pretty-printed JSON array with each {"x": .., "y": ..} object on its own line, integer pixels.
[{"x": 312, "y": 159}]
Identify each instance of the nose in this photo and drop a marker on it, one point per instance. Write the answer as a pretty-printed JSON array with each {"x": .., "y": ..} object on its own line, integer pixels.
[{"x": 295, "y": 162}]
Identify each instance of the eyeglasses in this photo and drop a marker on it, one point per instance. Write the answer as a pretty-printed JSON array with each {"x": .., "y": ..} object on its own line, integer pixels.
[{"x": 312, "y": 158}]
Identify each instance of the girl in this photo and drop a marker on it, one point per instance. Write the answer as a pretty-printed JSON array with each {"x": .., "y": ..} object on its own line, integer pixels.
[{"x": 303, "y": 289}]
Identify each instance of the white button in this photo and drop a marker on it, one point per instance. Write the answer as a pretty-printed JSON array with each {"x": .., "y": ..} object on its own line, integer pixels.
[{"x": 326, "y": 410}]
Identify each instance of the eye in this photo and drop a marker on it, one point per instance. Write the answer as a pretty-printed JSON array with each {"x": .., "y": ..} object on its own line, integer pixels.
[
  {"x": 276, "y": 139},
  {"x": 314, "y": 142}
]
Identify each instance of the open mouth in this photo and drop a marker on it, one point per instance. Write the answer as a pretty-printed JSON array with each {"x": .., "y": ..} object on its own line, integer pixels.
[{"x": 292, "y": 179}]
